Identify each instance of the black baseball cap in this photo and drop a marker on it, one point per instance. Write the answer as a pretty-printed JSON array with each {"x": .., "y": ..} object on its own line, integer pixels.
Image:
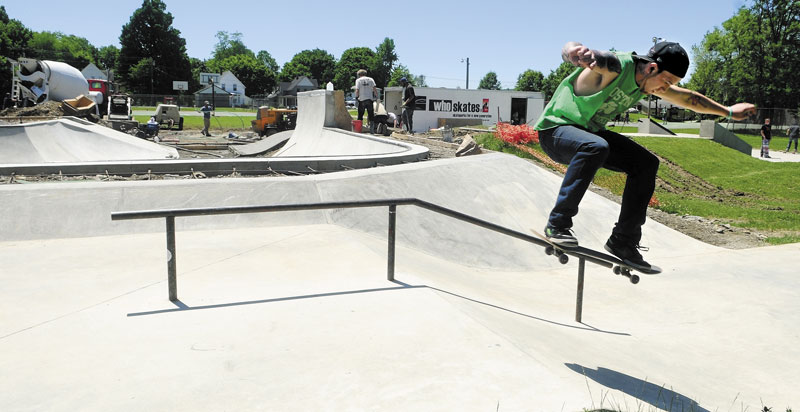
[{"x": 670, "y": 57}]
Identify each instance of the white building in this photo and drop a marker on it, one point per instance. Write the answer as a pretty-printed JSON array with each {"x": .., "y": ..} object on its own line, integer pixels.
[
  {"x": 436, "y": 107},
  {"x": 229, "y": 83}
]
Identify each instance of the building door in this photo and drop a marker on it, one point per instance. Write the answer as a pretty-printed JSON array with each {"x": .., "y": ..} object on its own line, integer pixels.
[{"x": 519, "y": 110}]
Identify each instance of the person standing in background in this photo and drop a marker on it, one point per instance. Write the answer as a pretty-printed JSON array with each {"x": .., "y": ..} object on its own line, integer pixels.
[
  {"x": 366, "y": 94},
  {"x": 409, "y": 101},
  {"x": 766, "y": 136}
]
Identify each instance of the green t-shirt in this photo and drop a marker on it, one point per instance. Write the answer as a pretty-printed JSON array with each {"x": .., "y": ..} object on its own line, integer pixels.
[{"x": 594, "y": 111}]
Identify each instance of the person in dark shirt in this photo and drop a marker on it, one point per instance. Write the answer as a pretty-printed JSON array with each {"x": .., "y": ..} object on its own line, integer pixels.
[
  {"x": 766, "y": 136},
  {"x": 409, "y": 100},
  {"x": 793, "y": 132}
]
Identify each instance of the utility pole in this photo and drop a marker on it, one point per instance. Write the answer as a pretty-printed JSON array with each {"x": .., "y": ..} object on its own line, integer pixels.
[
  {"x": 656, "y": 39},
  {"x": 462, "y": 61}
]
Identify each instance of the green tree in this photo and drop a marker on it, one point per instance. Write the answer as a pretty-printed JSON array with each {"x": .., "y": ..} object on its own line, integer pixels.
[
  {"x": 352, "y": 60},
  {"x": 14, "y": 37},
  {"x": 753, "y": 57},
  {"x": 316, "y": 64},
  {"x": 230, "y": 44},
  {"x": 256, "y": 78},
  {"x": 402, "y": 71},
  {"x": 384, "y": 63},
  {"x": 73, "y": 50},
  {"x": 141, "y": 76},
  {"x": 267, "y": 60},
  {"x": 530, "y": 81},
  {"x": 489, "y": 82},
  {"x": 149, "y": 34},
  {"x": 107, "y": 57},
  {"x": 198, "y": 66},
  {"x": 555, "y": 77}
]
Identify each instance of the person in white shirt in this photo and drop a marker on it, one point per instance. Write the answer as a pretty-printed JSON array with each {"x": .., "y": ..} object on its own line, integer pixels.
[{"x": 366, "y": 93}]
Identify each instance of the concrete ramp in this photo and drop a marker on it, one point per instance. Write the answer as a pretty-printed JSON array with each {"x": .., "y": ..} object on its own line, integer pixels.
[
  {"x": 319, "y": 131},
  {"x": 723, "y": 136},
  {"x": 74, "y": 140},
  {"x": 647, "y": 126},
  {"x": 264, "y": 145}
]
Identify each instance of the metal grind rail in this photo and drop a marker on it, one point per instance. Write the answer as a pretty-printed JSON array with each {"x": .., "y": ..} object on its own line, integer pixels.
[{"x": 171, "y": 214}]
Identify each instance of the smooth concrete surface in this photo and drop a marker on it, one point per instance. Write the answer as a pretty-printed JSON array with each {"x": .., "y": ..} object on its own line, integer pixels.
[
  {"x": 264, "y": 145},
  {"x": 316, "y": 134},
  {"x": 318, "y": 144},
  {"x": 293, "y": 311},
  {"x": 73, "y": 140}
]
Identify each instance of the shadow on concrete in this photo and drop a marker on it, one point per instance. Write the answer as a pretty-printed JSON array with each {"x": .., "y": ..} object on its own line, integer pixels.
[
  {"x": 657, "y": 396},
  {"x": 181, "y": 307}
]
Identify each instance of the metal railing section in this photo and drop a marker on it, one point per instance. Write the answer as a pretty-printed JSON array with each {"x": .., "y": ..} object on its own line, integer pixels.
[{"x": 171, "y": 214}]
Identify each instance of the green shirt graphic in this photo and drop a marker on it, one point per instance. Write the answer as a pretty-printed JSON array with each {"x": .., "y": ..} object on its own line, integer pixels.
[{"x": 594, "y": 111}]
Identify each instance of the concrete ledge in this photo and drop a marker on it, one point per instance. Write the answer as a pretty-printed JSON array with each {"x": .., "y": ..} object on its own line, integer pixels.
[{"x": 714, "y": 131}]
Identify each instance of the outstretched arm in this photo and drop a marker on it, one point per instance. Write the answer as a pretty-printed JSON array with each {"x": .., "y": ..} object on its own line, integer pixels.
[
  {"x": 603, "y": 62},
  {"x": 600, "y": 67},
  {"x": 699, "y": 103}
]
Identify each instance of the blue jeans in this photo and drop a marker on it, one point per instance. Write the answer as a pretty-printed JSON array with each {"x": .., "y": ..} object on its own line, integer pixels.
[
  {"x": 792, "y": 139},
  {"x": 584, "y": 153}
]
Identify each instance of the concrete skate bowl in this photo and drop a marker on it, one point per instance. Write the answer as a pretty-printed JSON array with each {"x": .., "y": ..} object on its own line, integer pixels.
[
  {"x": 71, "y": 140},
  {"x": 321, "y": 142}
]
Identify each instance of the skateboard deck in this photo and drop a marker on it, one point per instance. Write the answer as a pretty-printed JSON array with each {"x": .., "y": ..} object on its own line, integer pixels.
[{"x": 618, "y": 266}]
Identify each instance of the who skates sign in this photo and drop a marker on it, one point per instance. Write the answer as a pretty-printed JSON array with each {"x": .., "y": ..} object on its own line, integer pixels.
[{"x": 460, "y": 109}]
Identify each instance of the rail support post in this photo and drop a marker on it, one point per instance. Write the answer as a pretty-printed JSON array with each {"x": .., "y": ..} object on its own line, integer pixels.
[
  {"x": 579, "y": 299},
  {"x": 392, "y": 231},
  {"x": 172, "y": 277}
]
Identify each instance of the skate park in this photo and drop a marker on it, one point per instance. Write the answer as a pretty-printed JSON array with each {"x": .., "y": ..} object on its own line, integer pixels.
[{"x": 293, "y": 310}]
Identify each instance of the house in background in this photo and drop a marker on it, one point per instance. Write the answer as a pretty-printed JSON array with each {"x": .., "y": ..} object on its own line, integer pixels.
[
  {"x": 218, "y": 97},
  {"x": 286, "y": 96},
  {"x": 93, "y": 72},
  {"x": 228, "y": 90}
]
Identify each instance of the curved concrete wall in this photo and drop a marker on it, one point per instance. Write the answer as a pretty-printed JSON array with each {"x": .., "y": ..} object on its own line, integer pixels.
[{"x": 498, "y": 188}]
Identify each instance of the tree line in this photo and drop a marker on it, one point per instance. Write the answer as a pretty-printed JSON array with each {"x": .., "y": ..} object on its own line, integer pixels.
[
  {"x": 152, "y": 54},
  {"x": 752, "y": 57}
]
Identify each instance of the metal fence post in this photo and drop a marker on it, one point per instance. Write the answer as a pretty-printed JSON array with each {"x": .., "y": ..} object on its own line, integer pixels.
[
  {"x": 172, "y": 277},
  {"x": 579, "y": 299},
  {"x": 392, "y": 231}
]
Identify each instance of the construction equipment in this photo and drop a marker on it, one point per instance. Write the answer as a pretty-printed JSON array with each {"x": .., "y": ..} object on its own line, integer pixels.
[
  {"x": 119, "y": 113},
  {"x": 170, "y": 115},
  {"x": 37, "y": 81},
  {"x": 80, "y": 106},
  {"x": 106, "y": 89},
  {"x": 270, "y": 121}
]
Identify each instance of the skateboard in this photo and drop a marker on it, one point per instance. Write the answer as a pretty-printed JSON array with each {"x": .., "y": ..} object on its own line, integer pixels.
[{"x": 618, "y": 266}]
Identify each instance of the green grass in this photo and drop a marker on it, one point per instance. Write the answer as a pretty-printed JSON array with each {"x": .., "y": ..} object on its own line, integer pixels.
[
  {"x": 709, "y": 180},
  {"x": 152, "y": 109},
  {"x": 217, "y": 122}
]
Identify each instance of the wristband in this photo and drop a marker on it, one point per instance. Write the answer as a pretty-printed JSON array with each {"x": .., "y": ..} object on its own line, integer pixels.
[{"x": 730, "y": 112}]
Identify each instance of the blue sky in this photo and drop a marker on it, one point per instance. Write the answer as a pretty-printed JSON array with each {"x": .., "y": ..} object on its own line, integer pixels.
[{"x": 431, "y": 37}]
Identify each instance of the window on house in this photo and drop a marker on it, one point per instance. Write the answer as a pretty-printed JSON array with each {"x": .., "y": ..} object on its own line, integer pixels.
[
  {"x": 234, "y": 87},
  {"x": 223, "y": 86}
]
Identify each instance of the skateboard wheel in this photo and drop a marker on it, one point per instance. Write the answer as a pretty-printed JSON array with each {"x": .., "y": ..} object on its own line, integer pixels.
[
  {"x": 563, "y": 259},
  {"x": 634, "y": 279},
  {"x": 617, "y": 270},
  {"x": 548, "y": 250}
]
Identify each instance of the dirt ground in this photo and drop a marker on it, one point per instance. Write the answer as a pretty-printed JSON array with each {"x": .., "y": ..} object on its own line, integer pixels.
[{"x": 193, "y": 145}]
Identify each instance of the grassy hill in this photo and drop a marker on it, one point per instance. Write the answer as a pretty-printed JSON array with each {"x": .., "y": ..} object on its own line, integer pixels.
[{"x": 702, "y": 178}]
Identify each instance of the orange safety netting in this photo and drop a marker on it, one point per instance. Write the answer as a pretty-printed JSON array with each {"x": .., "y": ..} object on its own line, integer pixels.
[{"x": 520, "y": 134}]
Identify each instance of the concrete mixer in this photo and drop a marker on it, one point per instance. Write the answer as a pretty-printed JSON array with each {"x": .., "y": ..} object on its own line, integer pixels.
[{"x": 37, "y": 81}]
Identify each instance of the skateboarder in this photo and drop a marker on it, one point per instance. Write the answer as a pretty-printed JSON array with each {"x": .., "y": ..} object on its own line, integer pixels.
[{"x": 572, "y": 131}]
